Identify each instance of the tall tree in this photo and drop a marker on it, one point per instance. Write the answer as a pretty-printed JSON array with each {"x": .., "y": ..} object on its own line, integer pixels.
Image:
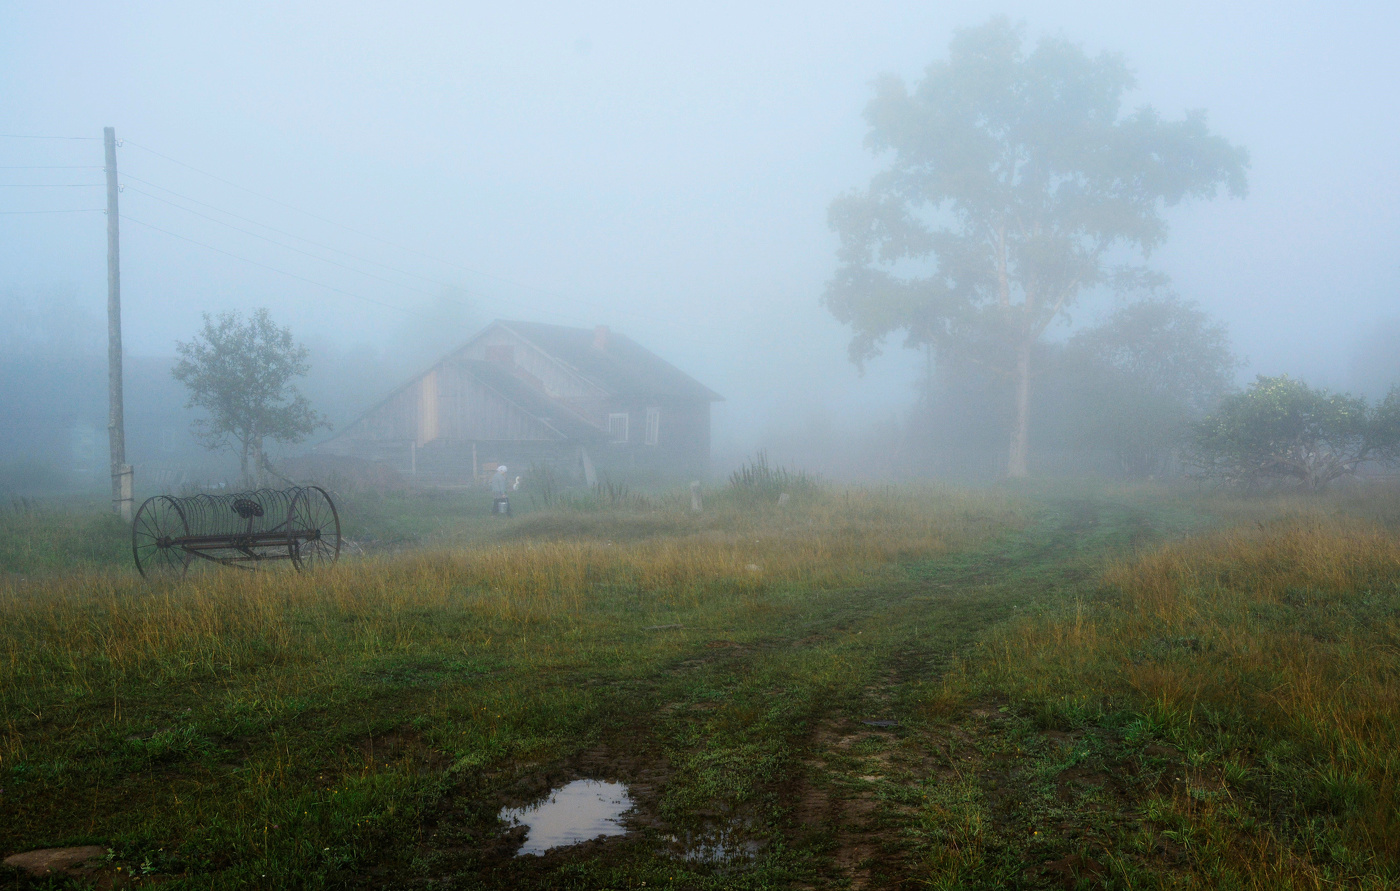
[
  {"x": 1014, "y": 176},
  {"x": 240, "y": 372}
]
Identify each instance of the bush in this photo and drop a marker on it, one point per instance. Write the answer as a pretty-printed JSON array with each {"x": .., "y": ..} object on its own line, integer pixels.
[{"x": 1281, "y": 429}]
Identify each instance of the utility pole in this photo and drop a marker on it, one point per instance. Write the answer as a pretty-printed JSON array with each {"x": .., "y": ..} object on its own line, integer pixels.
[{"x": 116, "y": 422}]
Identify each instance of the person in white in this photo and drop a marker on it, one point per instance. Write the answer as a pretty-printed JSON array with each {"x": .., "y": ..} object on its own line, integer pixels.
[{"x": 499, "y": 487}]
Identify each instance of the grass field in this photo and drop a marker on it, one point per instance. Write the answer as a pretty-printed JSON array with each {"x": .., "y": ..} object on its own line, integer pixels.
[{"x": 1092, "y": 687}]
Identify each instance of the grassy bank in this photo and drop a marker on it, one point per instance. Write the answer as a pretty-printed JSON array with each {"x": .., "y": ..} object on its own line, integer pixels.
[
  {"x": 283, "y": 730},
  {"x": 1119, "y": 688},
  {"x": 1227, "y": 704}
]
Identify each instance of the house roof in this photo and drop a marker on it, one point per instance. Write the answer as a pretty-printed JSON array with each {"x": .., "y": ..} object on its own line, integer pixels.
[
  {"x": 622, "y": 366},
  {"x": 529, "y": 400}
]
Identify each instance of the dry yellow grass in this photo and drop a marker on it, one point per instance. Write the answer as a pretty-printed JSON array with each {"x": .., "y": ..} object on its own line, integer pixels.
[
  {"x": 76, "y": 634},
  {"x": 250, "y": 729},
  {"x": 1271, "y": 655}
]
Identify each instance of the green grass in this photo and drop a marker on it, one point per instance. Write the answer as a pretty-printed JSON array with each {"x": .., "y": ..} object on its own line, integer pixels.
[
  {"x": 42, "y": 537},
  {"x": 365, "y": 725},
  {"x": 1241, "y": 685}
]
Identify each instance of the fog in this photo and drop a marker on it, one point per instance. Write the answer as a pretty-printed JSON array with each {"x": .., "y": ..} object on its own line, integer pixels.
[{"x": 663, "y": 169}]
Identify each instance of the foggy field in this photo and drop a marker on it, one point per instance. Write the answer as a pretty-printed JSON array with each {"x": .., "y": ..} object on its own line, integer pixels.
[
  {"x": 700, "y": 446},
  {"x": 1132, "y": 687}
]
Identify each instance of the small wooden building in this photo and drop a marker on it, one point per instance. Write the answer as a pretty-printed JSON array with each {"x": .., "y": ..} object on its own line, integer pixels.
[{"x": 579, "y": 401}]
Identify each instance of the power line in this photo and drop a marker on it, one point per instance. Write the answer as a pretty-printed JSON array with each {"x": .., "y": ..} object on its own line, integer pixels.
[
  {"x": 329, "y": 221},
  {"x": 304, "y": 278},
  {"x": 282, "y": 271},
  {"x": 27, "y": 136},
  {"x": 340, "y": 225},
  {"x": 308, "y": 213},
  {"x": 314, "y": 216},
  {"x": 270, "y": 228},
  {"x": 278, "y": 231},
  {"x": 298, "y": 250},
  {"x": 301, "y": 277},
  {"x": 78, "y": 210},
  {"x": 280, "y": 244},
  {"x": 54, "y": 167}
]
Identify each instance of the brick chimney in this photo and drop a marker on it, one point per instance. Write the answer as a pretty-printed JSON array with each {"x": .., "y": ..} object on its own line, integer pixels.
[{"x": 600, "y": 338}]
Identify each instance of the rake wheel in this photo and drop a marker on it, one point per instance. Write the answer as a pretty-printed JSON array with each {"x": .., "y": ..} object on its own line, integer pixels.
[
  {"x": 157, "y": 525},
  {"x": 313, "y": 529}
]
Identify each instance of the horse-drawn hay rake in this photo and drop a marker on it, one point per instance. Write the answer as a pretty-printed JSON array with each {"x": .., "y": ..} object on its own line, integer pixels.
[{"x": 241, "y": 529}]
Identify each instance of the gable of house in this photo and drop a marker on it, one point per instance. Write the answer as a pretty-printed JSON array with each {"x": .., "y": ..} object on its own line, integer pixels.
[{"x": 525, "y": 388}]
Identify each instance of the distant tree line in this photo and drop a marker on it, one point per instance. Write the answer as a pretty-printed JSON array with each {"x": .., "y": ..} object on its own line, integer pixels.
[{"x": 1150, "y": 393}]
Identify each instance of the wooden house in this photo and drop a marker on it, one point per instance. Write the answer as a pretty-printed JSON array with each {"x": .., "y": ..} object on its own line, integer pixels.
[{"x": 579, "y": 401}]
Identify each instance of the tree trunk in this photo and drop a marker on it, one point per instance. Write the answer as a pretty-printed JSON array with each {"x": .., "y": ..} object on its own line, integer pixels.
[
  {"x": 259, "y": 461},
  {"x": 1021, "y": 423}
]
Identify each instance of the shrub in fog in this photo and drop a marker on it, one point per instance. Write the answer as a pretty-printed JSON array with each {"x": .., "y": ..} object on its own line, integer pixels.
[
  {"x": 1281, "y": 430},
  {"x": 1143, "y": 377}
]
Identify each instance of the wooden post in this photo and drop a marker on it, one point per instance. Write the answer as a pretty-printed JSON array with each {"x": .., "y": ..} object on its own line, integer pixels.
[
  {"x": 125, "y": 477},
  {"x": 696, "y": 504},
  {"x": 116, "y": 422}
]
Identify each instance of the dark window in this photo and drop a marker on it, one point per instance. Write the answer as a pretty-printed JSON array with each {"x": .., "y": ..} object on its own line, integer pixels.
[{"x": 617, "y": 426}]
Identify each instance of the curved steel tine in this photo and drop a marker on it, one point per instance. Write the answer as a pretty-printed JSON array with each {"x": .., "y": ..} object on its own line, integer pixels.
[{"x": 224, "y": 521}]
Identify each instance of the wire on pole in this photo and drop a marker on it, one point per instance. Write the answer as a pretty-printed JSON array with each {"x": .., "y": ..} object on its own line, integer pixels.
[
  {"x": 542, "y": 291},
  {"x": 30, "y": 136},
  {"x": 289, "y": 235},
  {"x": 302, "y": 278}
]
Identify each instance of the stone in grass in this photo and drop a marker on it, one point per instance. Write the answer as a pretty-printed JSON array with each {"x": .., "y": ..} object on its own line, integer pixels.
[{"x": 63, "y": 861}]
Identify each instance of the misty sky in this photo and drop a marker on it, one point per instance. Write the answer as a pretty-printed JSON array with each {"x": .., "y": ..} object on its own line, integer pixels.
[{"x": 662, "y": 168}]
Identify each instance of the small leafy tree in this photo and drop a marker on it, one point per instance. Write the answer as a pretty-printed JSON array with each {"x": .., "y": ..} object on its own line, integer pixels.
[
  {"x": 1144, "y": 376},
  {"x": 1281, "y": 429},
  {"x": 240, "y": 372}
]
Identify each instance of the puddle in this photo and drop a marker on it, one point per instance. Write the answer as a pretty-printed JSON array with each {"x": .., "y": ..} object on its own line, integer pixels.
[
  {"x": 717, "y": 845},
  {"x": 579, "y": 812}
]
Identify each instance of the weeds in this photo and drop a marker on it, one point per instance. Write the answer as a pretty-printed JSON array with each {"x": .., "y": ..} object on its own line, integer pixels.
[
  {"x": 610, "y": 495},
  {"x": 544, "y": 491},
  {"x": 604, "y": 495},
  {"x": 757, "y": 480}
]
